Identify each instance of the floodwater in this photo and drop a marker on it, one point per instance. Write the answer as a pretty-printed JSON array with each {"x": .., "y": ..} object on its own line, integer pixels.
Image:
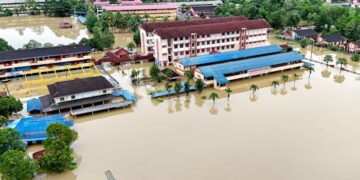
[
  {"x": 18, "y": 30},
  {"x": 307, "y": 132}
]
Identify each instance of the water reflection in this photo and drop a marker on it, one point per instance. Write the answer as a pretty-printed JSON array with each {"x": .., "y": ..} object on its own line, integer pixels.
[
  {"x": 253, "y": 98},
  {"x": 339, "y": 78},
  {"x": 213, "y": 110},
  {"x": 308, "y": 85},
  {"x": 325, "y": 73},
  {"x": 283, "y": 91}
]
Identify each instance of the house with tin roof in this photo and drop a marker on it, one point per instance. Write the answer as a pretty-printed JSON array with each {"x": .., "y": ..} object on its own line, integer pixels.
[{"x": 332, "y": 39}]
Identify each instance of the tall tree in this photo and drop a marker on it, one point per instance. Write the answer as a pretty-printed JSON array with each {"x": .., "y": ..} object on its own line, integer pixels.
[
  {"x": 284, "y": 79},
  {"x": 10, "y": 140},
  {"x": 328, "y": 59},
  {"x": 17, "y": 165},
  {"x": 199, "y": 85},
  {"x": 213, "y": 96},
  {"x": 254, "y": 88}
]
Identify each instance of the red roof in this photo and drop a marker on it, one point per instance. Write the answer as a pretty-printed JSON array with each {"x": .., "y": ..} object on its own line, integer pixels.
[
  {"x": 150, "y": 27},
  {"x": 121, "y": 52},
  {"x": 204, "y": 29}
]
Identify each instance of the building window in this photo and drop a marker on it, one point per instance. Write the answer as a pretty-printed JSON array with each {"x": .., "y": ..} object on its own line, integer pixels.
[
  {"x": 187, "y": 52},
  {"x": 175, "y": 46},
  {"x": 73, "y": 97},
  {"x": 218, "y": 41},
  {"x": 104, "y": 91},
  {"x": 62, "y": 99},
  {"x": 181, "y": 38}
]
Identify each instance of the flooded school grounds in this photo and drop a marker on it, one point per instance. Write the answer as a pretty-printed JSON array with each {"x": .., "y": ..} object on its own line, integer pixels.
[{"x": 308, "y": 132}]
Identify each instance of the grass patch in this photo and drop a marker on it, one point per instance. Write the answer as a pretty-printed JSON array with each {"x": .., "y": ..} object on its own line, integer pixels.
[
  {"x": 203, "y": 97},
  {"x": 159, "y": 100}
]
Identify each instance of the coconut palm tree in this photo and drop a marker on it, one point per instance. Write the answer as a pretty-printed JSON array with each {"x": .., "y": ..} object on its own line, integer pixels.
[
  {"x": 275, "y": 84},
  {"x": 153, "y": 19},
  {"x": 310, "y": 69},
  {"x": 328, "y": 59},
  {"x": 295, "y": 77},
  {"x": 188, "y": 75},
  {"x": 177, "y": 88},
  {"x": 342, "y": 61},
  {"x": 168, "y": 87},
  {"x": 284, "y": 79},
  {"x": 199, "y": 85},
  {"x": 213, "y": 96},
  {"x": 146, "y": 17},
  {"x": 228, "y": 91},
  {"x": 165, "y": 18},
  {"x": 254, "y": 88},
  {"x": 187, "y": 87},
  {"x": 131, "y": 46}
]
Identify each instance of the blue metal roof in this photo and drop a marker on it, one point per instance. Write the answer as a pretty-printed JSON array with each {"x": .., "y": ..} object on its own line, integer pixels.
[
  {"x": 33, "y": 104},
  {"x": 33, "y": 128},
  {"x": 231, "y": 55},
  {"x": 126, "y": 94},
  {"x": 221, "y": 79},
  {"x": 248, "y": 64}
]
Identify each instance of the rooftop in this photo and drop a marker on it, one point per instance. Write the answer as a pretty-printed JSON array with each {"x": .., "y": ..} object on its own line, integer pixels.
[
  {"x": 306, "y": 32},
  {"x": 150, "y": 27},
  {"x": 357, "y": 43},
  {"x": 248, "y": 64},
  {"x": 333, "y": 38},
  {"x": 43, "y": 52},
  {"x": 33, "y": 128},
  {"x": 205, "y": 29},
  {"x": 76, "y": 86},
  {"x": 231, "y": 55},
  {"x": 140, "y": 7}
]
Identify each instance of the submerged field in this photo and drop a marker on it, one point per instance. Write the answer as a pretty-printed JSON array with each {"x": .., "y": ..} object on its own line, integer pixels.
[{"x": 307, "y": 132}]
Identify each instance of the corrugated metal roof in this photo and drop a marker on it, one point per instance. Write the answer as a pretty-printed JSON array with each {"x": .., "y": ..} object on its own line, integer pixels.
[
  {"x": 232, "y": 55},
  {"x": 221, "y": 79},
  {"x": 248, "y": 64}
]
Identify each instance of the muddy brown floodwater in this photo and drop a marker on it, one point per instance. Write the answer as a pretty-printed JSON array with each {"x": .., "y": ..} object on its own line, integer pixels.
[
  {"x": 308, "y": 132},
  {"x": 20, "y": 30}
]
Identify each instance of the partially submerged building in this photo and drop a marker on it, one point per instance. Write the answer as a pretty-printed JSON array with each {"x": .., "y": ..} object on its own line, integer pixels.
[
  {"x": 191, "y": 63},
  {"x": 32, "y": 129},
  {"x": 310, "y": 34},
  {"x": 16, "y": 63},
  {"x": 176, "y": 40},
  {"x": 122, "y": 56},
  {"x": 332, "y": 39},
  {"x": 354, "y": 47},
  {"x": 221, "y": 74},
  {"x": 19, "y": 6}
]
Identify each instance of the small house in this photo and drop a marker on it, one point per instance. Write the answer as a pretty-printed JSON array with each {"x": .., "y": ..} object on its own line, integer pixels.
[
  {"x": 332, "y": 39},
  {"x": 354, "y": 47},
  {"x": 310, "y": 34}
]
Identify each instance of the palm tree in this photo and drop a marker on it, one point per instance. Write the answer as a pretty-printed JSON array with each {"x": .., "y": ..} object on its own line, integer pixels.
[
  {"x": 310, "y": 69},
  {"x": 199, "y": 85},
  {"x": 228, "y": 91},
  {"x": 165, "y": 18},
  {"x": 131, "y": 46},
  {"x": 284, "y": 79},
  {"x": 153, "y": 19},
  {"x": 254, "y": 88},
  {"x": 295, "y": 77},
  {"x": 188, "y": 75},
  {"x": 328, "y": 59},
  {"x": 168, "y": 87},
  {"x": 213, "y": 96},
  {"x": 275, "y": 84},
  {"x": 177, "y": 88},
  {"x": 342, "y": 61},
  {"x": 187, "y": 87},
  {"x": 146, "y": 17}
]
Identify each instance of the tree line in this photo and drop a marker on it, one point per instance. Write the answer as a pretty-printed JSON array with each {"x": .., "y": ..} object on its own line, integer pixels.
[{"x": 282, "y": 14}]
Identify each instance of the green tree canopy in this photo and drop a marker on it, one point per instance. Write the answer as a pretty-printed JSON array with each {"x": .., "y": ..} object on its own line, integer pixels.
[
  {"x": 3, "y": 121},
  {"x": 10, "y": 140},
  {"x": 9, "y": 105},
  {"x": 16, "y": 164},
  {"x": 4, "y": 45},
  {"x": 57, "y": 156},
  {"x": 32, "y": 44},
  {"x": 59, "y": 131}
]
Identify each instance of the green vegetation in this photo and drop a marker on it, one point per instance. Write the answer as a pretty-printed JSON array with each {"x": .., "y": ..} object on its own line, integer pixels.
[
  {"x": 295, "y": 78},
  {"x": 131, "y": 46},
  {"x": 228, "y": 91},
  {"x": 136, "y": 37},
  {"x": 187, "y": 88},
  {"x": 3, "y": 121},
  {"x": 159, "y": 100},
  {"x": 154, "y": 72},
  {"x": 17, "y": 165},
  {"x": 275, "y": 84},
  {"x": 199, "y": 84},
  {"x": 10, "y": 140},
  {"x": 328, "y": 59},
  {"x": 342, "y": 61},
  {"x": 4, "y": 45},
  {"x": 58, "y": 154},
  {"x": 189, "y": 75},
  {"x": 168, "y": 87},
  {"x": 304, "y": 43},
  {"x": 9, "y": 105},
  {"x": 213, "y": 96},
  {"x": 284, "y": 79},
  {"x": 177, "y": 88},
  {"x": 290, "y": 13},
  {"x": 59, "y": 8},
  {"x": 254, "y": 88},
  {"x": 355, "y": 57},
  {"x": 310, "y": 69}
]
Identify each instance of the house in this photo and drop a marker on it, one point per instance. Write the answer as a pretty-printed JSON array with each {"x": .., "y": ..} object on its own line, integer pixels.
[
  {"x": 304, "y": 33},
  {"x": 77, "y": 93},
  {"x": 354, "y": 47},
  {"x": 172, "y": 41},
  {"x": 123, "y": 56},
  {"x": 332, "y": 39}
]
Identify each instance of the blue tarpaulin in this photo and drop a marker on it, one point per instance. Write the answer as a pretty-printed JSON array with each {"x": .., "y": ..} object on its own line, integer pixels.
[
  {"x": 81, "y": 19},
  {"x": 126, "y": 94},
  {"x": 221, "y": 79},
  {"x": 33, "y": 128},
  {"x": 33, "y": 104},
  {"x": 231, "y": 55}
]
